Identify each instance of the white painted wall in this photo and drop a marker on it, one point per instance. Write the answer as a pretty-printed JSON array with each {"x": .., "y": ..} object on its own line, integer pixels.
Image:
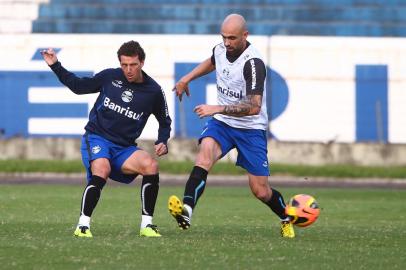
[{"x": 319, "y": 72}]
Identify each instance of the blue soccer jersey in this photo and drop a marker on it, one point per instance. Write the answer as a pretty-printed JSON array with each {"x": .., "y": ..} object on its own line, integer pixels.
[{"x": 122, "y": 108}]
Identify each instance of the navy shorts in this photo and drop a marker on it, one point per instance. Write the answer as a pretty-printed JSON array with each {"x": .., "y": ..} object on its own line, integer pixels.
[
  {"x": 251, "y": 145},
  {"x": 95, "y": 146}
]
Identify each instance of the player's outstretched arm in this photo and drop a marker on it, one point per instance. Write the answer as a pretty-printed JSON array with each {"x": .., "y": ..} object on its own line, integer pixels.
[
  {"x": 202, "y": 69},
  {"x": 78, "y": 85}
]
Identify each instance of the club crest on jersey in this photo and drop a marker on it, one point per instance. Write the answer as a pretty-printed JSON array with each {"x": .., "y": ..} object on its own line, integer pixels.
[
  {"x": 96, "y": 149},
  {"x": 226, "y": 72},
  {"x": 127, "y": 95},
  {"x": 117, "y": 83}
]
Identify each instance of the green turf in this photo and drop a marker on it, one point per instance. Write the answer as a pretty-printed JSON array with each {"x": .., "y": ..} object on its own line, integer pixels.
[
  {"x": 357, "y": 229},
  {"x": 171, "y": 167}
]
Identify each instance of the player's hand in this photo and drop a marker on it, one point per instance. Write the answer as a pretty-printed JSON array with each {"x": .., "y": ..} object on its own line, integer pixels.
[
  {"x": 204, "y": 110},
  {"x": 161, "y": 149},
  {"x": 181, "y": 87},
  {"x": 49, "y": 56}
]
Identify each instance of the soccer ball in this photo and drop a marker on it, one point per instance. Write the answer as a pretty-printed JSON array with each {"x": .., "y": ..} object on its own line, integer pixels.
[{"x": 304, "y": 210}]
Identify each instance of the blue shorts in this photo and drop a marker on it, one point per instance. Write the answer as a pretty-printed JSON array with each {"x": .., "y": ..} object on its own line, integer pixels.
[
  {"x": 95, "y": 146},
  {"x": 251, "y": 145}
]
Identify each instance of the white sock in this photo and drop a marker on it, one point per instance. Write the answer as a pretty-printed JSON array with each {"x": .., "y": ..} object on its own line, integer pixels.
[
  {"x": 189, "y": 210},
  {"x": 84, "y": 221},
  {"x": 145, "y": 220},
  {"x": 287, "y": 219}
]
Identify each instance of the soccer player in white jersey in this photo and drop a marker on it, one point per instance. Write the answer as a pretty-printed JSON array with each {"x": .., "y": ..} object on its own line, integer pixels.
[{"x": 239, "y": 120}]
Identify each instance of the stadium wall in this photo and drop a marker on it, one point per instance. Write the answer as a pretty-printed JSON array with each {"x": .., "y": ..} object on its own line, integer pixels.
[
  {"x": 365, "y": 154},
  {"x": 320, "y": 89}
]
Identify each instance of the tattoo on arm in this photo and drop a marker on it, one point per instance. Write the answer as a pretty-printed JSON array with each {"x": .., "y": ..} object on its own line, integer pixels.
[{"x": 250, "y": 105}]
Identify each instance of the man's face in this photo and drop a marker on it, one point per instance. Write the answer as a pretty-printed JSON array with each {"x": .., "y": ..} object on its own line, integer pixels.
[
  {"x": 131, "y": 67},
  {"x": 234, "y": 39}
]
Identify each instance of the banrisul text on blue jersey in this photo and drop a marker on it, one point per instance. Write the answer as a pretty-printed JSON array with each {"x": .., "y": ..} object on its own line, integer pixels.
[{"x": 121, "y": 110}]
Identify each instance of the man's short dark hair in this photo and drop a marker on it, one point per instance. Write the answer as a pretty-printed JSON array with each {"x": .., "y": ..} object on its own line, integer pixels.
[{"x": 131, "y": 48}]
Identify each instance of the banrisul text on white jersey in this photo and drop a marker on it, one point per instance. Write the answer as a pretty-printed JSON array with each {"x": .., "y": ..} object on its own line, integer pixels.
[{"x": 229, "y": 93}]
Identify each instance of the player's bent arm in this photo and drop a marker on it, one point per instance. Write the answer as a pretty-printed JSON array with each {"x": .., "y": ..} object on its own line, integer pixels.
[
  {"x": 202, "y": 69},
  {"x": 161, "y": 114},
  {"x": 250, "y": 105},
  {"x": 254, "y": 74}
]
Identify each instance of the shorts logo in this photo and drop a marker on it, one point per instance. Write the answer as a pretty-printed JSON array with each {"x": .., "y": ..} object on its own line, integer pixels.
[
  {"x": 265, "y": 164},
  {"x": 204, "y": 130},
  {"x": 127, "y": 95},
  {"x": 96, "y": 149}
]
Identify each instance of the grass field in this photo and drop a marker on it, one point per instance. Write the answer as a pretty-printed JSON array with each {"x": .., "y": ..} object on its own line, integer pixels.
[
  {"x": 357, "y": 229},
  {"x": 228, "y": 168}
]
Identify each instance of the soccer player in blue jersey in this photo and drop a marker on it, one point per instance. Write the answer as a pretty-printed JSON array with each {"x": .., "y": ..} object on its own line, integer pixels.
[
  {"x": 127, "y": 97},
  {"x": 240, "y": 121}
]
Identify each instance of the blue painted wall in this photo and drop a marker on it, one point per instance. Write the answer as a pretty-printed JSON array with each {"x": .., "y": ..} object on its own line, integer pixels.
[{"x": 372, "y": 103}]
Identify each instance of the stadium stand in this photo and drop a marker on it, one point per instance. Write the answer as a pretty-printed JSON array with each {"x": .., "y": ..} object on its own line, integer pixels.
[
  {"x": 16, "y": 16},
  {"x": 266, "y": 17}
]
